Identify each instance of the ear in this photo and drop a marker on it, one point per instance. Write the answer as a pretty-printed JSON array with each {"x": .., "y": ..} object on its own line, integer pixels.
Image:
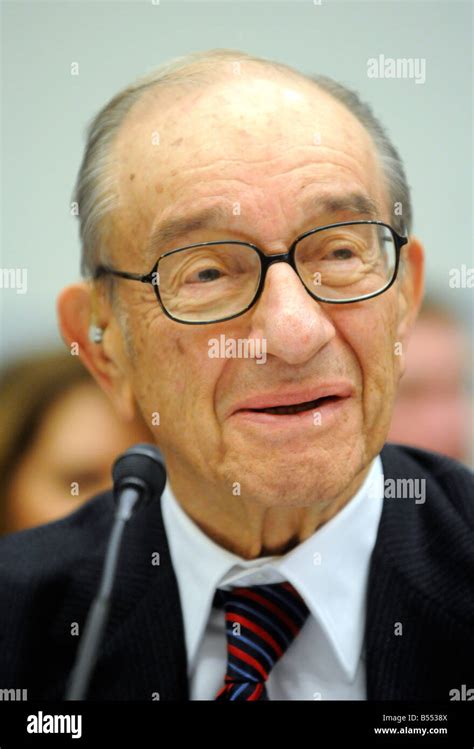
[
  {"x": 411, "y": 288},
  {"x": 78, "y": 307}
]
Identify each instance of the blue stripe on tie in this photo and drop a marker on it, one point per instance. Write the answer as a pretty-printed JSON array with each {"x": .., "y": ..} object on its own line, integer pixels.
[
  {"x": 237, "y": 604},
  {"x": 290, "y": 603},
  {"x": 241, "y": 638},
  {"x": 243, "y": 673},
  {"x": 238, "y": 691}
]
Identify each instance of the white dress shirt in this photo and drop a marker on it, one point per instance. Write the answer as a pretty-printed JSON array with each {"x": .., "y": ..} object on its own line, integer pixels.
[{"x": 329, "y": 570}]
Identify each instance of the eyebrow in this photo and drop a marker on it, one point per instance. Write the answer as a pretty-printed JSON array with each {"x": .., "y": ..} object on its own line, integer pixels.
[
  {"x": 179, "y": 226},
  {"x": 354, "y": 202}
]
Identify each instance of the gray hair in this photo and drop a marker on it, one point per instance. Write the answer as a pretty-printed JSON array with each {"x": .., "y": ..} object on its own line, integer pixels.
[{"x": 96, "y": 193}]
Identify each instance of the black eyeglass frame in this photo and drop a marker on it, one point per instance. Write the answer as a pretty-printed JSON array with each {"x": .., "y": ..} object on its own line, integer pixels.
[{"x": 265, "y": 262}]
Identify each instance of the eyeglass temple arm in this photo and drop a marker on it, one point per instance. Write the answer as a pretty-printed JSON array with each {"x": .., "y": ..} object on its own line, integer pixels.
[{"x": 103, "y": 270}]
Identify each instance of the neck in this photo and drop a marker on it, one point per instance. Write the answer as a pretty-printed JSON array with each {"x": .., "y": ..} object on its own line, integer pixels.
[{"x": 246, "y": 527}]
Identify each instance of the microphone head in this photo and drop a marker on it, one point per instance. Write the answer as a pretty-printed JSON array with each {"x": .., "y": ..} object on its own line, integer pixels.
[{"x": 141, "y": 465}]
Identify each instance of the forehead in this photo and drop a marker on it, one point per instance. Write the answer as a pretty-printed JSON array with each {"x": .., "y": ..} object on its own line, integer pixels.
[
  {"x": 265, "y": 116},
  {"x": 241, "y": 137}
]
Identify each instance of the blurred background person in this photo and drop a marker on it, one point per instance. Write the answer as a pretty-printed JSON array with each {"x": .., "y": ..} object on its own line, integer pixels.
[
  {"x": 434, "y": 409},
  {"x": 59, "y": 437}
]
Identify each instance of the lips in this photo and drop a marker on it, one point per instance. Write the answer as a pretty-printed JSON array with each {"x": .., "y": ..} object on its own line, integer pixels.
[
  {"x": 280, "y": 403},
  {"x": 297, "y": 407}
]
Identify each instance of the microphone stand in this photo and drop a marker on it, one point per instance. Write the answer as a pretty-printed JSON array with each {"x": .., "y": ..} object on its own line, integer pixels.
[
  {"x": 98, "y": 614},
  {"x": 139, "y": 476}
]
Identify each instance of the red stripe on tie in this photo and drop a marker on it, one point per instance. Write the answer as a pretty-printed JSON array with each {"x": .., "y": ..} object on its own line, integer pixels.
[
  {"x": 246, "y": 593},
  {"x": 231, "y": 617},
  {"x": 243, "y": 656},
  {"x": 289, "y": 587},
  {"x": 256, "y": 692}
]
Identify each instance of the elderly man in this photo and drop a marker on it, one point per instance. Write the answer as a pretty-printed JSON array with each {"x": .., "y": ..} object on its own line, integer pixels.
[{"x": 229, "y": 198}]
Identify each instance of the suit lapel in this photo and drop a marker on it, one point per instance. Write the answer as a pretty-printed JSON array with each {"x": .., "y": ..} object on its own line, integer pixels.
[
  {"x": 416, "y": 617},
  {"x": 142, "y": 655}
]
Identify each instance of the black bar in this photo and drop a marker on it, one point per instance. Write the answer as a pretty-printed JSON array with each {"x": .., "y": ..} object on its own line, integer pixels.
[{"x": 318, "y": 724}]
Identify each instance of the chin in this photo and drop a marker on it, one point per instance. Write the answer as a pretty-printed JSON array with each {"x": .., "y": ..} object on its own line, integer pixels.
[{"x": 297, "y": 480}]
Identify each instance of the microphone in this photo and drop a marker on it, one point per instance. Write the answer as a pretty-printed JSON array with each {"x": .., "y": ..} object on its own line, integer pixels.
[{"x": 139, "y": 475}]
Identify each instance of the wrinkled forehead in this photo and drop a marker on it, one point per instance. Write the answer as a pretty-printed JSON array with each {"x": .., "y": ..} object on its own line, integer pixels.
[
  {"x": 264, "y": 116},
  {"x": 243, "y": 130}
]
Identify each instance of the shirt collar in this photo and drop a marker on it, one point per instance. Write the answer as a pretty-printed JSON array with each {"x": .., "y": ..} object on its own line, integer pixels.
[{"x": 329, "y": 570}]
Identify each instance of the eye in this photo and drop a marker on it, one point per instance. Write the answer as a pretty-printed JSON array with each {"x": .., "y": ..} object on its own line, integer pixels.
[
  {"x": 342, "y": 254},
  {"x": 204, "y": 276}
]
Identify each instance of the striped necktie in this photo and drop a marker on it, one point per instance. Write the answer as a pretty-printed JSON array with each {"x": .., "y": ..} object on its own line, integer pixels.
[{"x": 261, "y": 623}]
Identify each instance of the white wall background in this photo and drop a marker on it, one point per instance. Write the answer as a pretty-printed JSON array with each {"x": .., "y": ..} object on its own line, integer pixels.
[{"x": 45, "y": 110}]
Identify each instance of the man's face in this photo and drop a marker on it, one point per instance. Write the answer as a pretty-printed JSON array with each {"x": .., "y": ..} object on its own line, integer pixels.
[{"x": 268, "y": 154}]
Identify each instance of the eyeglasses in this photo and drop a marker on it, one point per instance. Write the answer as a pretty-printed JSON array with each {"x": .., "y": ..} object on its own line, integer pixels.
[{"x": 215, "y": 281}]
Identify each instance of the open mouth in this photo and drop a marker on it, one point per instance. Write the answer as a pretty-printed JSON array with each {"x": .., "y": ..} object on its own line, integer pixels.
[{"x": 297, "y": 408}]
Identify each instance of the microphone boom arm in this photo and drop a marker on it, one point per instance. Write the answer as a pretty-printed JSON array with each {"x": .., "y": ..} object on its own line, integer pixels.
[{"x": 132, "y": 489}]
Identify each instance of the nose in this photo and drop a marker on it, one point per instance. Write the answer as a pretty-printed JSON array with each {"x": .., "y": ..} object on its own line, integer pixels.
[{"x": 294, "y": 325}]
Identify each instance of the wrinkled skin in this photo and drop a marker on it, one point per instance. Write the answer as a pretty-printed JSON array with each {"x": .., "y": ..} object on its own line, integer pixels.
[{"x": 249, "y": 140}]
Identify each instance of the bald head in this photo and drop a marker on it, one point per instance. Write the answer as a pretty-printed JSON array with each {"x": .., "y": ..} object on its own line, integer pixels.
[
  {"x": 167, "y": 165},
  {"x": 180, "y": 83}
]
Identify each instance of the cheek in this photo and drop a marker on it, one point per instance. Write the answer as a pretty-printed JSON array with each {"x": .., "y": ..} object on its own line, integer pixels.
[
  {"x": 177, "y": 379},
  {"x": 370, "y": 333}
]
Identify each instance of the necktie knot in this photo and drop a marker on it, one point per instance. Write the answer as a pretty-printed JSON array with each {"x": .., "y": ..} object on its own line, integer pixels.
[{"x": 261, "y": 623}]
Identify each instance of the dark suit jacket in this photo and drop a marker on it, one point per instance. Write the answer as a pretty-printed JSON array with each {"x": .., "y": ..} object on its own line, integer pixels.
[{"x": 421, "y": 576}]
